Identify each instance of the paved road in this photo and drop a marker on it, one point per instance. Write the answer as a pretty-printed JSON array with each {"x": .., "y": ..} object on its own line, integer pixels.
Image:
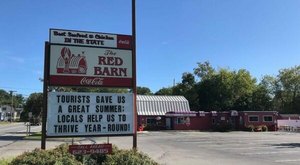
[
  {"x": 11, "y": 139},
  {"x": 201, "y": 148}
]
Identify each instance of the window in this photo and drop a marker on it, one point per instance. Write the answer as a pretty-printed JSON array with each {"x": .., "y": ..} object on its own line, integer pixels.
[
  {"x": 180, "y": 120},
  {"x": 268, "y": 118},
  {"x": 253, "y": 118}
]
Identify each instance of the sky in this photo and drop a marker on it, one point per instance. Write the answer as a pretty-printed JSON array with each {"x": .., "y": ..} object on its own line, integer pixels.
[{"x": 261, "y": 36}]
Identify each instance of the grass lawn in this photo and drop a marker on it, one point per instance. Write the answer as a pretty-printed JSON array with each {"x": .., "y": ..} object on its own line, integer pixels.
[
  {"x": 5, "y": 122},
  {"x": 34, "y": 136},
  {"x": 6, "y": 161}
]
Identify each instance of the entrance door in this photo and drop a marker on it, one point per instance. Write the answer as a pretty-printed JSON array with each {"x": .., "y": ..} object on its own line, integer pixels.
[{"x": 168, "y": 123}]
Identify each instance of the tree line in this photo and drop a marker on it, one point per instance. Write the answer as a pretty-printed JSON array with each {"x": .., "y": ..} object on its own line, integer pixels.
[
  {"x": 210, "y": 89},
  {"x": 8, "y": 98},
  {"x": 206, "y": 89}
]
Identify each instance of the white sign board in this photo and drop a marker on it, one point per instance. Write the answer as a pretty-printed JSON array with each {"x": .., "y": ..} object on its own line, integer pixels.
[
  {"x": 92, "y": 39},
  {"x": 85, "y": 114}
]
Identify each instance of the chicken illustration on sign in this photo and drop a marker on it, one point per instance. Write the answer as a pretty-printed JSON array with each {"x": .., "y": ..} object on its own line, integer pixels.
[{"x": 71, "y": 64}]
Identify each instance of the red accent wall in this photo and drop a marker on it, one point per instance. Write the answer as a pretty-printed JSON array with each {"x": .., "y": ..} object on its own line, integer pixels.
[
  {"x": 196, "y": 123},
  {"x": 208, "y": 121},
  {"x": 271, "y": 125}
]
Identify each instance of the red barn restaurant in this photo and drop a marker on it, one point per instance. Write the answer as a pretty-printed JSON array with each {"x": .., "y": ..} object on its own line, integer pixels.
[
  {"x": 173, "y": 113},
  {"x": 152, "y": 110}
]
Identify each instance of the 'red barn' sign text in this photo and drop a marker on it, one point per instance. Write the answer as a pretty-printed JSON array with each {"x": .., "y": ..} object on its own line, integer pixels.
[{"x": 90, "y": 59}]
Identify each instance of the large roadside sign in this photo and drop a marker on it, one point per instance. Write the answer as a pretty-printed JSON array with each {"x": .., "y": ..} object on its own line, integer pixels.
[
  {"x": 80, "y": 58},
  {"x": 90, "y": 66},
  {"x": 84, "y": 114},
  {"x": 89, "y": 59}
]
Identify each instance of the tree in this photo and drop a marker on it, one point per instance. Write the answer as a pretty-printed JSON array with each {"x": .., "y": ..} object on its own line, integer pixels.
[
  {"x": 187, "y": 89},
  {"x": 5, "y": 99},
  {"x": 226, "y": 90},
  {"x": 33, "y": 104},
  {"x": 165, "y": 91},
  {"x": 262, "y": 98},
  {"x": 243, "y": 87},
  {"x": 204, "y": 70},
  {"x": 143, "y": 91},
  {"x": 287, "y": 90}
]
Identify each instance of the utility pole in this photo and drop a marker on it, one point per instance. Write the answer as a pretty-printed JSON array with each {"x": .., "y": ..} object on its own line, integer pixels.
[
  {"x": 12, "y": 104},
  {"x": 134, "y": 74}
]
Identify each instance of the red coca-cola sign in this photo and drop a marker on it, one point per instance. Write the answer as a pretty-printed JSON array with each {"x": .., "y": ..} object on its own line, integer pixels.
[
  {"x": 57, "y": 80},
  {"x": 91, "y": 81}
]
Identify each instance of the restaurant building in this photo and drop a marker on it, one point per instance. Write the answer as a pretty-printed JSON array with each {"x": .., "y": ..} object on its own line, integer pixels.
[
  {"x": 152, "y": 110},
  {"x": 173, "y": 113}
]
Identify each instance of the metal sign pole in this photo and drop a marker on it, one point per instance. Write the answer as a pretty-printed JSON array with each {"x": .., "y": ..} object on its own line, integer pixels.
[
  {"x": 45, "y": 94},
  {"x": 134, "y": 76}
]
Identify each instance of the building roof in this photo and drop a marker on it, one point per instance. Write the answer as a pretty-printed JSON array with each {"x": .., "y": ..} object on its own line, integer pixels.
[
  {"x": 289, "y": 116},
  {"x": 159, "y": 105}
]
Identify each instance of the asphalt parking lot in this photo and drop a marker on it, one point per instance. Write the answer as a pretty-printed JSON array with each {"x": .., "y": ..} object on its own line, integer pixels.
[
  {"x": 215, "y": 148},
  {"x": 195, "y": 148}
]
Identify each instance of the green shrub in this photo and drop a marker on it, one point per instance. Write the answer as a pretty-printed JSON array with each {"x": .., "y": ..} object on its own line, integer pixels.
[
  {"x": 128, "y": 157},
  {"x": 258, "y": 128},
  {"x": 4, "y": 161},
  {"x": 61, "y": 156},
  {"x": 250, "y": 128},
  {"x": 264, "y": 128},
  {"x": 57, "y": 156}
]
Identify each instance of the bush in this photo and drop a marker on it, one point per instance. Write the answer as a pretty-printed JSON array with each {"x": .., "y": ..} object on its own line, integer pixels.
[
  {"x": 264, "y": 128},
  {"x": 61, "y": 156},
  {"x": 128, "y": 157},
  {"x": 258, "y": 128},
  {"x": 57, "y": 156},
  {"x": 4, "y": 161},
  {"x": 250, "y": 128}
]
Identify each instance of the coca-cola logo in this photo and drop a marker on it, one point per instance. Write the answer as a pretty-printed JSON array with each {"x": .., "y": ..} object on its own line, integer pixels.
[
  {"x": 125, "y": 42},
  {"x": 91, "y": 81}
]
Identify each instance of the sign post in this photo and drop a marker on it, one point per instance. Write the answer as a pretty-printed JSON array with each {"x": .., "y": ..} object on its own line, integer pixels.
[
  {"x": 45, "y": 94},
  {"x": 89, "y": 59},
  {"x": 134, "y": 73}
]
